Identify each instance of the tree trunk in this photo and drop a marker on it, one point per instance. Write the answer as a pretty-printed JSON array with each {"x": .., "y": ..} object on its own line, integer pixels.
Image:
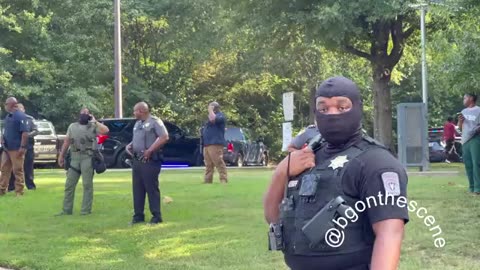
[
  {"x": 382, "y": 122},
  {"x": 312, "y": 105}
]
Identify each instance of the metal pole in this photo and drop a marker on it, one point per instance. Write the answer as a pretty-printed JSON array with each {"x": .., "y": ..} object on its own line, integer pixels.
[
  {"x": 118, "y": 61},
  {"x": 424, "y": 60},
  {"x": 424, "y": 84}
]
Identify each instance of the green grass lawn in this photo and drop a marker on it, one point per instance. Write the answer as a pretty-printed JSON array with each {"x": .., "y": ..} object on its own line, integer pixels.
[{"x": 207, "y": 226}]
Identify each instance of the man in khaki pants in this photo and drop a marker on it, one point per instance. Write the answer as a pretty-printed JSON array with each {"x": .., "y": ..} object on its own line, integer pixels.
[
  {"x": 14, "y": 141},
  {"x": 213, "y": 137}
]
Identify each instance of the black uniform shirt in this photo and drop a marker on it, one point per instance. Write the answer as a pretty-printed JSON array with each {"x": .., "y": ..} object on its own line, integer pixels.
[{"x": 370, "y": 174}]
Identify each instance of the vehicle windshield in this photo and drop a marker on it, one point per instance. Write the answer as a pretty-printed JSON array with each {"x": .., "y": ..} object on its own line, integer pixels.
[
  {"x": 44, "y": 128},
  {"x": 234, "y": 134}
]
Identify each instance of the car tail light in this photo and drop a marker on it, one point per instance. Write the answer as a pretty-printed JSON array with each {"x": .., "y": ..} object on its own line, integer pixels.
[
  {"x": 101, "y": 139},
  {"x": 230, "y": 147}
]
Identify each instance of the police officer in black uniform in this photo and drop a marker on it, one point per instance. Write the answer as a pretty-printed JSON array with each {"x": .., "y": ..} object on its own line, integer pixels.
[{"x": 329, "y": 192}]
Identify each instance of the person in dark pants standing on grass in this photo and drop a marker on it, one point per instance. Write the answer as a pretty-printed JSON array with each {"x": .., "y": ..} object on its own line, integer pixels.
[
  {"x": 29, "y": 154},
  {"x": 149, "y": 135},
  {"x": 469, "y": 122}
]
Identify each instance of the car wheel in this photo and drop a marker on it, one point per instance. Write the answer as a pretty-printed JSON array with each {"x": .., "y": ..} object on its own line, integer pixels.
[
  {"x": 239, "y": 162},
  {"x": 122, "y": 160}
]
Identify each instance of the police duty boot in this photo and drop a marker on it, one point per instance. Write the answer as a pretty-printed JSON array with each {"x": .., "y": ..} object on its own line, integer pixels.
[{"x": 155, "y": 220}]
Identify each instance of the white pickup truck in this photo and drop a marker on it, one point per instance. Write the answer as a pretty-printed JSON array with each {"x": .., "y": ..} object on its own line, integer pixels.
[{"x": 47, "y": 142}]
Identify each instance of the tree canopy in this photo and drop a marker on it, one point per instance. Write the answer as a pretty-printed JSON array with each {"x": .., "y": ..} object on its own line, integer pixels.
[{"x": 57, "y": 56}]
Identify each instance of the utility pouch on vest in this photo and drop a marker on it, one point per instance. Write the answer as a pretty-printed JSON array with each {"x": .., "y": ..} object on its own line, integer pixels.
[
  {"x": 275, "y": 237},
  {"x": 286, "y": 205},
  {"x": 318, "y": 226}
]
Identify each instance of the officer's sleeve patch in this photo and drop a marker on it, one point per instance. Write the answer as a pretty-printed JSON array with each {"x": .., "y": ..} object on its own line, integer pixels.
[{"x": 391, "y": 183}]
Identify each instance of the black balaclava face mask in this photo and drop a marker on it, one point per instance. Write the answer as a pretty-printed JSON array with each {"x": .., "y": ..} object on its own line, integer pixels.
[
  {"x": 340, "y": 129},
  {"x": 84, "y": 118}
]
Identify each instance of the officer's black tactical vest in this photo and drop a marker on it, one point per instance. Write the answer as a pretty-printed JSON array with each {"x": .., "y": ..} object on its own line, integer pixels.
[{"x": 358, "y": 235}]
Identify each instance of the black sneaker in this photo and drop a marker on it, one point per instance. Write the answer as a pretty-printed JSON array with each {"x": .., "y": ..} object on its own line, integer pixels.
[
  {"x": 155, "y": 220},
  {"x": 134, "y": 222}
]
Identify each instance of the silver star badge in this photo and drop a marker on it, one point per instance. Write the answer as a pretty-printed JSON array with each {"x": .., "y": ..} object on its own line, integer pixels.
[{"x": 338, "y": 162}]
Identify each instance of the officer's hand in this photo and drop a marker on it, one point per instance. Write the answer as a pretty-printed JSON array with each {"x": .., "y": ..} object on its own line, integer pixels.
[
  {"x": 61, "y": 161},
  {"x": 147, "y": 154},
  {"x": 300, "y": 160},
  {"x": 21, "y": 152}
]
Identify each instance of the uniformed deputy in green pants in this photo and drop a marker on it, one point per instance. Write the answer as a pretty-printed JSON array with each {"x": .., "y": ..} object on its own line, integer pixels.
[{"x": 81, "y": 142}]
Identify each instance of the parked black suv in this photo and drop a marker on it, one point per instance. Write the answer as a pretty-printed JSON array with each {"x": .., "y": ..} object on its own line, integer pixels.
[
  {"x": 180, "y": 149},
  {"x": 241, "y": 150}
]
